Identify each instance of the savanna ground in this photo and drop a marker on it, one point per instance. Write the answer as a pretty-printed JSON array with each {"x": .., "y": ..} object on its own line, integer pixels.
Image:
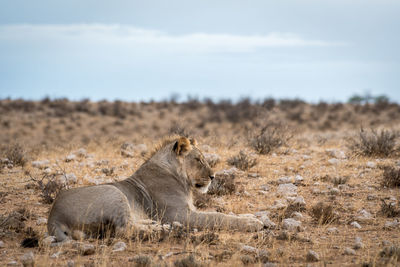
[{"x": 337, "y": 173}]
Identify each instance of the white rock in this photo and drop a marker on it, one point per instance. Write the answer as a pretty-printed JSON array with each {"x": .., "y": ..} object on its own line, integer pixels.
[
  {"x": 338, "y": 154},
  {"x": 356, "y": 225},
  {"x": 40, "y": 164},
  {"x": 306, "y": 157},
  {"x": 285, "y": 180},
  {"x": 312, "y": 256},
  {"x": 391, "y": 224},
  {"x": 297, "y": 216},
  {"x": 2, "y": 244},
  {"x": 81, "y": 152},
  {"x": 70, "y": 157},
  {"x": 364, "y": 216},
  {"x": 332, "y": 230},
  {"x": 48, "y": 171},
  {"x": 287, "y": 189},
  {"x": 291, "y": 224},
  {"x": 371, "y": 164},
  {"x": 279, "y": 204},
  {"x": 28, "y": 259},
  {"x": 349, "y": 251},
  {"x": 264, "y": 187},
  {"x": 56, "y": 255},
  {"x": 298, "y": 179},
  {"x": 333, "y": 161},
  {"x": 248, "y": 249},
  {"x": 267, "y": 222},
  {"x": 41, "y": 221},
  {"x": 297, "y": 201},
  {"x": 67, "y": 179},
  {"x": 259, "y": 214},
  {"x": 49, "y": 240},
  {"x": 358, "y": 244},
  {"x": 119, "y": 246},
  {"x": 12, "y": 263}
]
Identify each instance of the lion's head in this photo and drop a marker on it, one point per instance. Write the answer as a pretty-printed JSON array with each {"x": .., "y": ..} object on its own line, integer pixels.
[{"x": 194, "y": 164}]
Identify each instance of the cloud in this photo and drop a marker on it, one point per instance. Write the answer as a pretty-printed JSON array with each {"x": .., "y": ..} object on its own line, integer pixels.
[{"x": 133, "y": 37}]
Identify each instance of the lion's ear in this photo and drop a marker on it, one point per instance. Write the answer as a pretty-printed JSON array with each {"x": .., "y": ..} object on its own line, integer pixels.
[
  {"x": 193, "y": 142},
  {"x": 182, "y": 146}
]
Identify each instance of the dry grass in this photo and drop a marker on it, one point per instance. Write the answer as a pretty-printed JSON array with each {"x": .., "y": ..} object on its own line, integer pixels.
[
  {"x": 54, "y": 129},
  {"x": 242, "y": 161},
  {"x": 269, "y": 138},
  {"x": 374, "y": 143}
]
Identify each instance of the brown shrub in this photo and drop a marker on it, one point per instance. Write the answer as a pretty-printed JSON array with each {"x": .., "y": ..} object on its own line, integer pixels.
[
  {"x": 374, "y": 143},
  {"x": 323, "y": 213},
  {"x": 16, "y": 154},
  {"x": 222, "y": 186},
  {"x": 242, "y": 161},
  {"x": 391, "y": 177},
  {"x": 270, "y": 137},
  {"x": 389, "y": 209}
]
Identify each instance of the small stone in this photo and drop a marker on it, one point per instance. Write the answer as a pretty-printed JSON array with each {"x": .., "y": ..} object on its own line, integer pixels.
[
  {"x": 119, "y": 246},
  {"x": 81, "y": 152},
  {"x": 338, "y": 154},
  {"x": 177, "y": 225},
  {"x": 349, "y": 251},
  {"x": 291, "y": 224},
  {"x": 41, "y": 221},
  {"x": 297, "y": 201},
  {"x": 334, "y": 191},
  {"x": 297, "y": 216},
  {"x": 333, "y": 161},
  {"x": 70, "y": 157},
  {"x": 49, "y": 240},
  {"x": 263, "y": 255},
  {"x": 371, "y": 197},
  {"x": 28, "y": 259},
  {"x": 332, "y": 230},
  {"x": 298, "y": 179},
  {"x": 279, "y": 204},
  {"x": 56, "y": 255},
  {"x": 284, "y": 180},
  {"x": 70, "y": 263},
  {"x": 391, "y": 224},
  {"x": 252, "y": 175},
  {"x": 248, "y": 249},
  {"x": 371, "y": 164},
  {"x": 264, "y": 187},
  {"x": 12, "y": 263},
  {"x": 85, "y": 249},
  {"x": 2, "y": 245},
  {"x": 287, "y": 189},
  {"x": 41, "y": 164},
  {"x": 267, "y": 222},
  {"x": 364, "y": 216},
  {"x": 358, "y": 244},
  {"x": 312, "y": 256},
  {"x": 306, "y": 157},
  {"x": 356, "y": 225}
]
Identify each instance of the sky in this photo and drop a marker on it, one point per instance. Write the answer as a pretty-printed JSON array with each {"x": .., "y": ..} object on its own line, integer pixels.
[{"x": 149, "y": 50}]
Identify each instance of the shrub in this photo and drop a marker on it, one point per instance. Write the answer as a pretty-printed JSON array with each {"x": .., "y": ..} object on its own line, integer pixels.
[
  {"x": 374, "y": 143},
  {"x": 270, "y": 137},
  {"x": 242, "y": 161},
  {"x": 340, "y": 180},
  {"x": 391, "y": 177},
  {"x": 15, "y": 154},
  {"x": 323, "y": 213},
  {"x": 389, "y": 209}
]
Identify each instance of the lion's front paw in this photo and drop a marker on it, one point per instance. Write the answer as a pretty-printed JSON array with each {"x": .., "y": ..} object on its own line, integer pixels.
[{"x": 251, "y": 225}]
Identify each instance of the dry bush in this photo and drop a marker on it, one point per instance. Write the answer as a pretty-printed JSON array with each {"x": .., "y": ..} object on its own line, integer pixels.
[
  {"x": 391, "y": 177},
  {"x": 222, "y": 186},
  {"x": 323, "y": 213},
  {"x": 49, "y": 187},
  {"x": 374, "y": 143},
  {"x": 340, "y": 180},
  {"x": 391, "y": 254},
  {"x": 189, "y": 261},
  {"x": 242, "y": 161},
  {"x": 16, "y": 154},
  {"x": 269, "y": 137},
  {"x": 389, "y": 209}
]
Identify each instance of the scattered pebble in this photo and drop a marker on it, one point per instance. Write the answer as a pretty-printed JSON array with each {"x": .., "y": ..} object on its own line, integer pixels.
[
  {"x": 41, "y": 164},
  {"x": 248, "y": 249},
  {"x": 332, "y": 230},
  {"x": 349, "y": 251},
  {"x": 356, "y": 225},
  {"x": 338, "y": 154},
  {"x": 312, "y": 256},
  {"x": 2, "y": 245},
  {"x": 364, "y": 216},
  {"x": 391, "y": 224},
  {"x": 371, "y": 164},
  {"x": 358, "y": 244},
  {"x": 267, "y": 222},
  {"x": 333, "y": 161},
  {"x": 284, "y": 180},
  {"x": 85, "y": 249},
  {"x": 119, "y": 246},
  {"x": 291, "y": 224},
  {"x": 298, "y": 179},
  {"x": 70, "y": 157},
  {"x": 287, "y": 189},
  {"x": 28, "y": 259},
  {"x": 297, "y": 216}
]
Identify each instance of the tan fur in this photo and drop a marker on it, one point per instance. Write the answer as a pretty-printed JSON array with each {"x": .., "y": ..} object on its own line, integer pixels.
[{"x": 160, "y": 189}]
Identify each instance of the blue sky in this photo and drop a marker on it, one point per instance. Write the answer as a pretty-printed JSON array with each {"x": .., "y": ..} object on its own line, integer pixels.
[{"x": 142, "y": 50}]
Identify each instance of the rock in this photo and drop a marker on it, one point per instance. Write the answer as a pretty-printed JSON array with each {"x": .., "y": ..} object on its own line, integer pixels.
[
  {"x": 333, "y": 161},
  {"x": 70, "y": 157},
  {"x": 2, "y": 245},
  {"x": 296, "y": 201},
  {"x": 267, "y": 222},
  {"x": 41, "y": 221},
  {"x": 332, "y": 230},
  {"x": 287, "y": 189},
  {"x": 391, "y": 224},
  {"x": 56, "y": 255},
  {"x": 41, "y": 164},
  {"x": 212, "y": 159},
  {"x": 263, "y": 255},
  {"x": 81, "y": 152},
  {"x": 371, "y": 197},
  {"x": 358, "y": 244},
  {"x": 338, "y": 154},
  {"x": 364, "y": 216},
  {"x": 306, "y": 157},
  {"x": 67, "y": 179},
  {"x": 279, "y": 204},
  {"x": 85, "y": 249},
  {"x": 229, "y": 173},
  {"x": 312, "y": 256},
  {"x": 297, "y": 216},
  {"x": 285, "y": 180},
  {"x": 264, "y": 187},
  {"x": 298, "y": 179},
  {"x": 253, "y": 175},
  {"x": 356, "y": 225},
  {"x": 371, "y": 164},
  {"x": 259, "y": 214},
  {"x": 334, "y": 191},
  {"x": 119, "y": 246},
  {"x": 28, "y": 259},
  {"x": 141, "y": 260},
  {"x": 248, "y": 249},
  {"x": 49, "y": 240},
  {"x": 12, "y": 263},
  {"x": 349, "y": 251},
  {"x": 291, "y": 224}
]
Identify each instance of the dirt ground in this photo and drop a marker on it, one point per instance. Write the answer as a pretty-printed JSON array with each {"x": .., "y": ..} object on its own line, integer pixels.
[{"x": 346, "y": 214}]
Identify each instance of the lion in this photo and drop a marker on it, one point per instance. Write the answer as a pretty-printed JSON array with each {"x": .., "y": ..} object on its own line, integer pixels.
[{"x": 161, "y": 189}]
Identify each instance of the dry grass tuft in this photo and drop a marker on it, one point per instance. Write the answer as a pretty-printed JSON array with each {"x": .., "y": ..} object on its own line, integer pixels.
[
  {"x": 391, "y": 254},
  {"x": 16, "y": 154},
  {"x": 340, "y": 180},
  {"x": 49, "y": 187},
  {"x": 189, "y": 261},
  {"x": 391, "y": 177},
  {"x": 270, "y": 137},
  {"x": 323, "y": 213},
  {"x": 374, "y": 143},
  {"x": 389, "y": 209},
  {"x": 242, "y": 161},
  {"x": 222, "y": 186}
]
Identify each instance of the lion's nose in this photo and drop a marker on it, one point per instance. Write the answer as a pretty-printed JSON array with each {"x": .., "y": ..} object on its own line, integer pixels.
[{"x": 212, "y": 176}]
